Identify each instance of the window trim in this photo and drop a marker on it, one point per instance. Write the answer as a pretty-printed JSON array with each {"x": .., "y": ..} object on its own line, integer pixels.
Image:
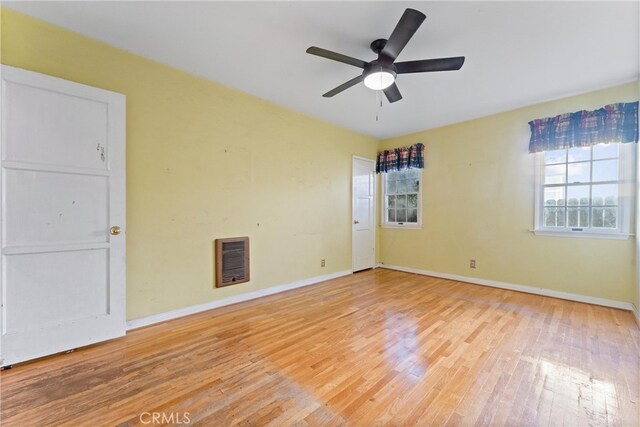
[
  {"x": 383, "y": 206},
  {"x": 626, "y": 179}
]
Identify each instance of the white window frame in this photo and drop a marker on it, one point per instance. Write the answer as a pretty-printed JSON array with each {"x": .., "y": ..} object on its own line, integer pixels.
[
  {"x": 387, "y": 224},
  {"x": 626, "y": 176}
]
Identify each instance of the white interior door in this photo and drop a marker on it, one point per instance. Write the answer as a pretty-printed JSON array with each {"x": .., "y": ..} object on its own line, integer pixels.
[
  {"x": 363, "y": 234},
  {"x": 62, "y": 188}
]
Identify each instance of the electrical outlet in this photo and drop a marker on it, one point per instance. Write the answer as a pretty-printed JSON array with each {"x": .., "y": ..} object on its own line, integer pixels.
[
  {"x": 472, "y": 263},
  {"x": 322, "y": 262}
]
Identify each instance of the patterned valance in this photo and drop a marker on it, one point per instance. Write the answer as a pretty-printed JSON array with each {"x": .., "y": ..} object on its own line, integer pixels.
[
  {"x": 400, "y": 158},
  {"x": 611, "y": 123}
]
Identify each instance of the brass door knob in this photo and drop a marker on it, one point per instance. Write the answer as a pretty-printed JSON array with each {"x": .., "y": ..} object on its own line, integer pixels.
[
  {"x": 115, "y": 230},
  {"x": 355, "y": 221}
]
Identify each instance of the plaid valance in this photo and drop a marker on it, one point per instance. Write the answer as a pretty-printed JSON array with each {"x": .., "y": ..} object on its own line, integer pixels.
[
  {"x": 400, "y": 158},
  {"x": 611, "y": 123}
]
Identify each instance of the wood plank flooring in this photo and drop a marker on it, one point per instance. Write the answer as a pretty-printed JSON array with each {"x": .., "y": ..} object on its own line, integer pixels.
[{"x": 377, "y": 348}]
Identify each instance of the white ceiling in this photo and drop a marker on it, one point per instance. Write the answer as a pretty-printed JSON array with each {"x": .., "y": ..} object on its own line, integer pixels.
[{"x": 517, "y": 53}]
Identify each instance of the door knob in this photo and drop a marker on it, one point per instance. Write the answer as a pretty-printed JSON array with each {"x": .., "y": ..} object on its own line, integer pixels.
[
  {"x": 355, "y": 221},
  {"x": 115, "y": 230}
]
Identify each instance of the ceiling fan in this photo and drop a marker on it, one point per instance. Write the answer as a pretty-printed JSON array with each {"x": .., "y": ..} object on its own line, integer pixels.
[{"x": 380, "y": 74}]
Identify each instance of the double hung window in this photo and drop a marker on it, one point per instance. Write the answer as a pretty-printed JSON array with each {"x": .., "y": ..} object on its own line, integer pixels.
[
  {"x": 585, "y": 190},
  {"x": 402, "y": 198}
]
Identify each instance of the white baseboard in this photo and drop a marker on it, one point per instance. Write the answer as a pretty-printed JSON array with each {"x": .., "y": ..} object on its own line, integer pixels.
[
  {"x": 181, "y": 312},
  {"x": 521, "y": 288}
]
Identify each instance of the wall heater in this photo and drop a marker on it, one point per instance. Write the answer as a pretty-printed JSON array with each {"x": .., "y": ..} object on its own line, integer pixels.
[{"x": 232, "y": 261}]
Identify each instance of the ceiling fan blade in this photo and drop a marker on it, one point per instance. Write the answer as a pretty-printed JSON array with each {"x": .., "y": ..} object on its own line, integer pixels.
[
  {"x": 407, "y": 26},
  {"x": 343, "y": 86},
  {"x": 393, "y": 93},
  {"x": 336, "y": 56},
  {"x": 425, "y": 65}
]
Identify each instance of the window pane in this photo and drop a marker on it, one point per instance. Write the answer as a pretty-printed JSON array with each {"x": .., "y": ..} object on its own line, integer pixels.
[
  {"x": 391, "y": 202},
  {"x": 412, "y": 200},
  {"x": 554, "y": 217},
  {"x": 606, "y": 194},
  {"x": 409, "y": 185},
  {"x": 412, "y": 174},
  {"x": 562, "y": 217},
  {"x": 554, "y": 174},
  {"x": 572, "y": 217},
  {"x": 577, "y": 154},
  {"x": 578, "y": 217},
  {"x": 584, "y": 217},
  {"x": 579, "y": 172},
  {"x": 402, "y": 202},
  {"x": 577, "y": 195},
  {"x": 392, "y": 176},
  {"x": 605, "y": 217},
  {"x": 391, "y": 187},
  {"x": 610, "y": 217},
  {"x": 556, "y": 156},
  {"x": 605, "y": 151},
  {"x": 597, "y": 217},
  {"x": 412, "y": 215},
  {"x": 550, "y": 217},
  {"x": 605, "y": 170},
  {"x": 401, "y": 215},
  {"x": 554, "y": 196},
  {"x": 597, "y": 200},
  {"x": 413, "y": 186},
  {"x": 402, "y": 186},
  {"x": 391, "y": 215}
]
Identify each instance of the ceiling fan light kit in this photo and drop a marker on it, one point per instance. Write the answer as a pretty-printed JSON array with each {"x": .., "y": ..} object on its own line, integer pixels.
[
  {"x": 380, "y": 74},
  {"x": 379, "y": 78}
]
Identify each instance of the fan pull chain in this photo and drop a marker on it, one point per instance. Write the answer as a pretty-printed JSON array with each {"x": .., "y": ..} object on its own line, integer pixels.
[{"x": 379, "y": 103}]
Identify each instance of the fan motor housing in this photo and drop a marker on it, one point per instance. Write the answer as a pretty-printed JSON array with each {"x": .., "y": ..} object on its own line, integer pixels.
[
  {"x": 377, "y": 65},
  {"x": 378, "y": 45}
]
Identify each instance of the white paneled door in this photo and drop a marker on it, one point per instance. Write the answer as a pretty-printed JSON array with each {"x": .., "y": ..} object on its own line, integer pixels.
[
  {"x": 363, "y": 232},
  {"x": 62, "y": 188}
]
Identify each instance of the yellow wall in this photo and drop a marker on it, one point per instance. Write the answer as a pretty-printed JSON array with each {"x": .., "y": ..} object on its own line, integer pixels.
[
  {"x": 478, "y": 204},
  {"x": 204, "y": 162}
]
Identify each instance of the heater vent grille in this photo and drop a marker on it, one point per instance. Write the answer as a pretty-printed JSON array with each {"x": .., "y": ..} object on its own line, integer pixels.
[{"x": 232, "y": 261}]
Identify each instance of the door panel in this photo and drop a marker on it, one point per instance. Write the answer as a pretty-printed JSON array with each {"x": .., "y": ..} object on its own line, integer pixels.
[
  {"x": 53, "y": 208},
  {"x": 71, "y": 131},
  {"x": 63, "y": 186},
  {"x": 363, "y": 228},
  {"x": 41, "y": 300}
]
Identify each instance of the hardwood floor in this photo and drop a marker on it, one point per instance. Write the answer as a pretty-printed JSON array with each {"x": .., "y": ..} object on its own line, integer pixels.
[{"x": 378, "y": 347}]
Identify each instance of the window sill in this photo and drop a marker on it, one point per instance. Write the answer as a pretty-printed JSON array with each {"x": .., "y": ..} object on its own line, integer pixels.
[
  {"x": 409, "y": 226},
  {"x": 582, "y": 234}
]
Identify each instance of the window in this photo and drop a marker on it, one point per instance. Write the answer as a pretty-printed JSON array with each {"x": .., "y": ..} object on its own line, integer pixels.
[
  {"x": 402, "y": 200},
  {"x": 585, "y": 190}
]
